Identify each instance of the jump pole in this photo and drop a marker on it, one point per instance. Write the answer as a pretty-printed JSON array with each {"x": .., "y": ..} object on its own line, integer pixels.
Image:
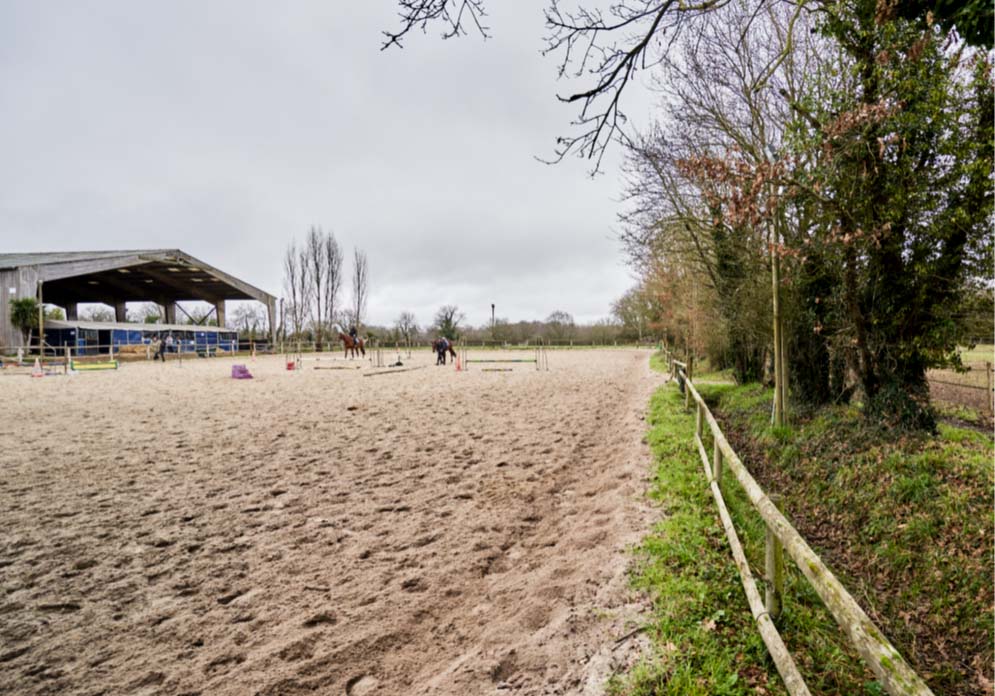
[
  {"x": 394, "y": 372},
  {"x": 505, "y": 360}
]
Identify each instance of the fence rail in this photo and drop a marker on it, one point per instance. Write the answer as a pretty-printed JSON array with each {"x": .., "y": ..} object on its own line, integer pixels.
[{"x": 878, "y": 653}]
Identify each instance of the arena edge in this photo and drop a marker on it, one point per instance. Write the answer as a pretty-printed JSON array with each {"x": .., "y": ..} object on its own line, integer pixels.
[{"x": 704, "y": 639}]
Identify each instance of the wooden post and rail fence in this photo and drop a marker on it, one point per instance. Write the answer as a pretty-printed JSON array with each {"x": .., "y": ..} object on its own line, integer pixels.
[{"x": 888, "y": 666}]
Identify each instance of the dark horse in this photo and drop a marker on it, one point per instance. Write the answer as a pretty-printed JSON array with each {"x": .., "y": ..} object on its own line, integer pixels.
[
  {"x": 438, "y": 350},
  {"x": 353, "y": 345}
]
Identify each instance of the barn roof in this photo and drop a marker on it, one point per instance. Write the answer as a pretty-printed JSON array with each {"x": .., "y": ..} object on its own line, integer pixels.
[
  {"x": 131, "y": 275},
  {"x": 133, "y": 326}
]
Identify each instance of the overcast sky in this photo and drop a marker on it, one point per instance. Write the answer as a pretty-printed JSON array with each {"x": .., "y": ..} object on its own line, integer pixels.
[{"x": 226, "y": 129}]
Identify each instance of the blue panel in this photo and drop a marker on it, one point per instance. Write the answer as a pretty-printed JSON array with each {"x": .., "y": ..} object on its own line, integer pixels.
[{"x": 58, "y": 338}]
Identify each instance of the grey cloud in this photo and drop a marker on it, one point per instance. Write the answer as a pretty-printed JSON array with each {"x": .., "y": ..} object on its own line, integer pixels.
[{"x": 228, "y": 128}]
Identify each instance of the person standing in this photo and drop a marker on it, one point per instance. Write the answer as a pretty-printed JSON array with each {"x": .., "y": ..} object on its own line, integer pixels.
[{"x": 441, "y": 346}]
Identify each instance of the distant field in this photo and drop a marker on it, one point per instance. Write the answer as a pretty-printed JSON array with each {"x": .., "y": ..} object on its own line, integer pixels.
[
  {"x": 969, "y": 388},
  {"x": 979, "y": 354}
]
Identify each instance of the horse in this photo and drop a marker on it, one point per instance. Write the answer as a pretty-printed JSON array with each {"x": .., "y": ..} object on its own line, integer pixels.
[
  {"x": 442, "y": 355},
  {"x": 347, "y": 341}
]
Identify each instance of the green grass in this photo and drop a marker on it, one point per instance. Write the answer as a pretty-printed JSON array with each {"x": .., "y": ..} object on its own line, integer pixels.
[
  {"x": 704, "y": 637},
  {"x": 714, "y": 376},
  {"x": 903, "y": 520},
  {"x": 959, "y": 412},
  {"x": 701, "y": 625},
  {"x": 979, "y": 354}
]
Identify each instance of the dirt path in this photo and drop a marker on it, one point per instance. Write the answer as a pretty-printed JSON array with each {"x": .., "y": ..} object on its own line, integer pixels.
[{"x": 169, "y": 530}]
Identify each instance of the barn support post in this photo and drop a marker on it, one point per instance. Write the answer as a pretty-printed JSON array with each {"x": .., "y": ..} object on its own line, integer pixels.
[
  {"x": 41, "y": 321},
  {"x": 271, "y": 312}
]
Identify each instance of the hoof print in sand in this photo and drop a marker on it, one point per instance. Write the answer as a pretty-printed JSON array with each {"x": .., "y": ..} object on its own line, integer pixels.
[
  {"x": 414, "y": 585},
  {"x": 359, "y": 686},
  {"x": 222, "y": 662},
  {"x": 323, "y": 618},
  {"x": 60, "y": 607},
  {"x": 299, "y": 650},
  {"x": 227, "y": 599}
]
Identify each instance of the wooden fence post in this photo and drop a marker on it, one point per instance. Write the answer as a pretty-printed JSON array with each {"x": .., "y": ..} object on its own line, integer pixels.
[
  {"x": 717, "y": 463},
  {"x": 991, "y": 394},
  {"x": 774, "y": 569},
  {"x": 697, "y": 423}
]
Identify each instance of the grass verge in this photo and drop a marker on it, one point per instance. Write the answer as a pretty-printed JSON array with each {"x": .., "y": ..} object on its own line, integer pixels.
[
  {"x": 904, "y": 521},
  {"x": 703, "y": 634}
]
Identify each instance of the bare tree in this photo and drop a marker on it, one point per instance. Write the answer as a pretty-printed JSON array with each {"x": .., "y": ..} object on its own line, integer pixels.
[
  {"x": 406, "y": 326},
  {"x": 147, "y": 313},
  {"x": 295, "y": 287},
  {"x": 560, "y": 325},
  {"x": 313, "y": 281},
  {"x": 452, "y": 13},
  {"x": 249, "y": 319},
  {"x": 96, "y": 313},
  {"x": 609, "y": 47},
  {"x": 448, "y": 320},
  {"x": 360, "y": 286},
  {"x": 315, "y": 261},
  {"x": 333, "y": 277}
]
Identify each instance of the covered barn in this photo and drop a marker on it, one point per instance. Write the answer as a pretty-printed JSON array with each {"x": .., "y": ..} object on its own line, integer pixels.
[{"x": 162, "y": 276}]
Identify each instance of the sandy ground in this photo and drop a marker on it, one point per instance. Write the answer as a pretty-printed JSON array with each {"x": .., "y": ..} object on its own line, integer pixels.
[{"x": 165, "y": 529}]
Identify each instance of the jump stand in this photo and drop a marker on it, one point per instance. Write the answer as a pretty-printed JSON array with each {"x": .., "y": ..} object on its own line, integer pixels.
[
  {"x": 294, "y": 360},
  {"x": 376, "y": 357},
  {"x": 540, "y": 358}
]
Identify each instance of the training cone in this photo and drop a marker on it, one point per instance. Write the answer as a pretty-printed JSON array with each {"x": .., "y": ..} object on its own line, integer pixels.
[
  {"x": 459, "y": 365},
  {"x": 37, "y": 371}
]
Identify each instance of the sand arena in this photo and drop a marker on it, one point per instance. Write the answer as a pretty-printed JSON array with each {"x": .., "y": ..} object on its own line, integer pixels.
[{"x": 165, "y": 529}]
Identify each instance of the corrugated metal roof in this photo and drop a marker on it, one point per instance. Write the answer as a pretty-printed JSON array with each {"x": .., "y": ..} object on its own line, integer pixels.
[
  {"x": 130, "y": 326},
  {"x": 40, "y": 258},
  {"x": 50, "y": 269}
]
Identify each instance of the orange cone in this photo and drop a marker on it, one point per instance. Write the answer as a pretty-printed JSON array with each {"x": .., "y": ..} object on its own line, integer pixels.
[{"x": 37, "y": 371}]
